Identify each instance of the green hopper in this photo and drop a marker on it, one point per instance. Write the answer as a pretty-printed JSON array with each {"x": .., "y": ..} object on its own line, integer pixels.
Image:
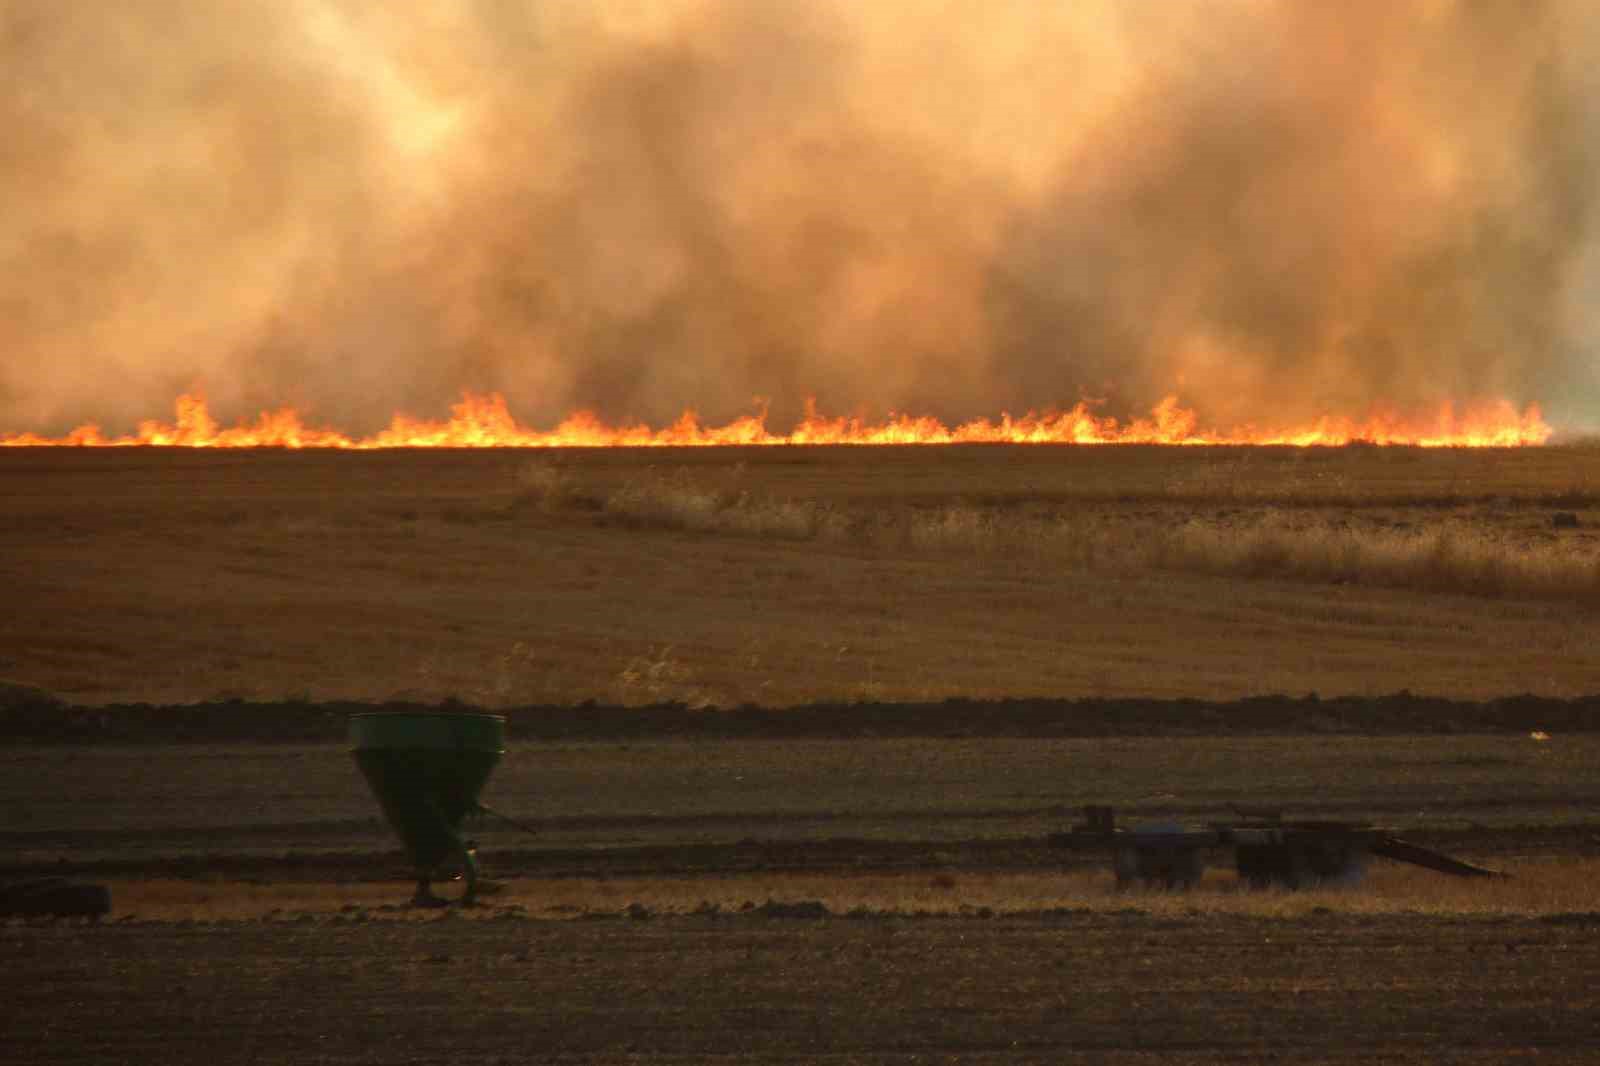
[{"x": 427, "y": 770}]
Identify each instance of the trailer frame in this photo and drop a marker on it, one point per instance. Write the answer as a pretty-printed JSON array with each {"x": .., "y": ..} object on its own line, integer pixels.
[{"x": 1267, "y": 851}]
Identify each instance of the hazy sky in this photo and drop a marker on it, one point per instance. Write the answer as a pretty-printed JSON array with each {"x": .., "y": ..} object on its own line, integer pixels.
[{"x": 1270, "y": 208}]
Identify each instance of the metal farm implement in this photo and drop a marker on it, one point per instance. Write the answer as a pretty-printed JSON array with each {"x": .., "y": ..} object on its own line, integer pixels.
[
  {"x": 427, "y": 769},
  {"x": 1267, "y": 850}
]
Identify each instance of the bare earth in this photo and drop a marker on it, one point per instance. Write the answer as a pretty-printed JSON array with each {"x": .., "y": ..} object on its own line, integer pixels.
[
  {"x": 1109, "y": 988},
  {"x": 800, "y": 901}
]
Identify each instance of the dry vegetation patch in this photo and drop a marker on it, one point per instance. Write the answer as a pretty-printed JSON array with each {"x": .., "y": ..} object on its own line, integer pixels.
[
  {"x": 1273, "y": 531},
  {"x": 1438, "y": 559}
]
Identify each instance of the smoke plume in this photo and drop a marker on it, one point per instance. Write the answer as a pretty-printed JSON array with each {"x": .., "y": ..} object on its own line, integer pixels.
[{"x": 1272, "y": 209}]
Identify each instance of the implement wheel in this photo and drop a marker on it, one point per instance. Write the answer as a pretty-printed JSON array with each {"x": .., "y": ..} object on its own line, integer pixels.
[{"x": 467, "y": 875}]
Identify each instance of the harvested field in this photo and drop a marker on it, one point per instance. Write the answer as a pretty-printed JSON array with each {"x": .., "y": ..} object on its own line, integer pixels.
[
  {"x": 792, "y": 728},
  {"x": 786, "y": 576}
]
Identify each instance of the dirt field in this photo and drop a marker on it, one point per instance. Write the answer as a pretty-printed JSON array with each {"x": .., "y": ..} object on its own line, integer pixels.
[
  {"x": 798, "y": 901},
  {"x": 1103, "y": 988},
  {"x": 72, "y": 803},
  {"x": 792, "y": 729}
]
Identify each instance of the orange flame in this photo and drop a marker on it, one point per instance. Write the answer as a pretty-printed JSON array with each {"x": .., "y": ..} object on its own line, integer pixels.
[{"x": 485, "y": 422}]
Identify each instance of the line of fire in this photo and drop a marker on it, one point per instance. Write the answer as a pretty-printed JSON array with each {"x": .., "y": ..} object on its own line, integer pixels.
[{"x": 485, "y": 421}]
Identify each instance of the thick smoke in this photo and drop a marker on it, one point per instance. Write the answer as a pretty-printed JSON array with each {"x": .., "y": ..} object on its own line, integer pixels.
[{"x": 1272, "y": 209}]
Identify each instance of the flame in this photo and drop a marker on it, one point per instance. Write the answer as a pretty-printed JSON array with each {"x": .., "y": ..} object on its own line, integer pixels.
[{"x": 484, "y": 421}]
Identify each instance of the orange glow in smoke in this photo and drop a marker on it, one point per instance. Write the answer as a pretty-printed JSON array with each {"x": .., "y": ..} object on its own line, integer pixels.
[{"x": 485, "y": 422}]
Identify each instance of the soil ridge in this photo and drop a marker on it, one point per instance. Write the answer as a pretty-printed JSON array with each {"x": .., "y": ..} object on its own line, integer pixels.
[{"x": 35, "y": 716}]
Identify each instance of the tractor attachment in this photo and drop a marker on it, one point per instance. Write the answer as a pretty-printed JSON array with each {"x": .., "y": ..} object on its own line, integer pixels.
[
  {"x": 1267, "y": 850},
  {"x": 426, "y": 770}
]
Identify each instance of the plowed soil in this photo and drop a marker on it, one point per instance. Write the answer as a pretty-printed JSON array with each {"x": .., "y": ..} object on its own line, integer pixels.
[
  {"x": 1102, "y": 988},
  {"x": 887, "y": 901}
]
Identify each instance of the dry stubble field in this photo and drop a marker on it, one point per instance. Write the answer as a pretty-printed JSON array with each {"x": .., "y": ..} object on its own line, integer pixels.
[
  {"x": 849, "y": 900},
  {"x": 791, "y": 575}
]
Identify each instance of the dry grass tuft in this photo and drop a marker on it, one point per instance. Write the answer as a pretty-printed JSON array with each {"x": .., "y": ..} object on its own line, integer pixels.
[
  {"x": 660, "y": 676},
  {"x": 1431, "y": 560},
  {"x": 552, "y": 487},
  {"x": 678, "y": 500}
]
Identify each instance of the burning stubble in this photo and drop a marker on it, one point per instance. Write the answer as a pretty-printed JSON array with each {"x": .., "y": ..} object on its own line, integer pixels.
[{"x": 1272, "y": 209}]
